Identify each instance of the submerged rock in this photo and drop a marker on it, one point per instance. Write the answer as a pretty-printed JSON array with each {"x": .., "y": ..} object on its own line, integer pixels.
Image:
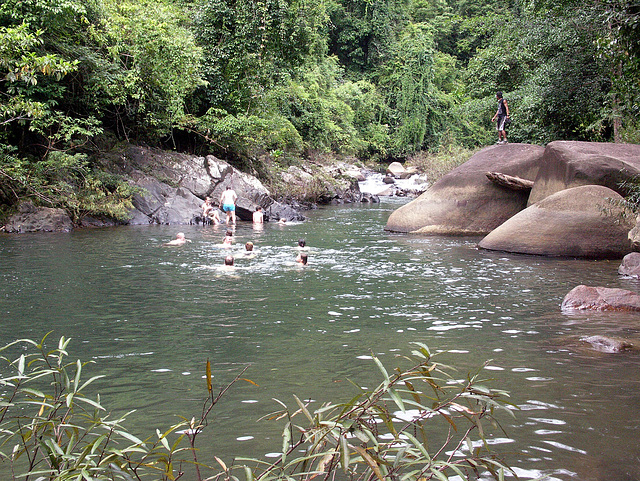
[
  {"x": 634, "y": 236},
  {"x": 607, "y": 344},
  {"x": 601, "y": 298}
]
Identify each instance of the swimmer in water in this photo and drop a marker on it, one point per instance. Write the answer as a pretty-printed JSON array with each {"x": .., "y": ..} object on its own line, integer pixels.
[
  {"x": 302, "y": 258},
  {"x": 228, "y": 238},
  {"x": 179, "y": 240},
  {"x": 258, "y": 216}
]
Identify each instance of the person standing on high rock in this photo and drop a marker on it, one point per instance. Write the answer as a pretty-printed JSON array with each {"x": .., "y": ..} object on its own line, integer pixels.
[{"x": 502, "y": 114}]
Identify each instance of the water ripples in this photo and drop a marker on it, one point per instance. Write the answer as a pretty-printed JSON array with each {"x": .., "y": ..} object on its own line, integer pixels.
[{"x": 151, "y": 316}]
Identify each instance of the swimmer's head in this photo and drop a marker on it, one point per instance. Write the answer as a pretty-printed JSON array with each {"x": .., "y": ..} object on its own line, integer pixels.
[
  {"x": 180, "y": 235},
  {"x": 302, "y": 243},
  {"x": 303, "y": 258},
  {"x": 228, "y": 261},
  {"x": 249, "y": 246},
  {"x": 229, "y": 232}
]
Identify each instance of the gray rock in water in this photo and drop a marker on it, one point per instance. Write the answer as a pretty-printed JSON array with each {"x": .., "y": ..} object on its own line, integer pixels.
[
  {"x": 630, "y": 265},
  {"x": 174, "y": 186},
  {"x": 607, "y": 344},
  {"x": 277, "y": 211},
  {"x": 38, "y": 219},
  {"x": 634, "y": 236}
]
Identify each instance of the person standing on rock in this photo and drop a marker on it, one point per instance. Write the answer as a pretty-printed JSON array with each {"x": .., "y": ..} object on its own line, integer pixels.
[
  {"x": 502, "y": 114},
  {"x": 228, "y": 204}
]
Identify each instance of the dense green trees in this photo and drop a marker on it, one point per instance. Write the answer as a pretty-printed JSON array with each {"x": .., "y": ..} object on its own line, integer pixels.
[{"x": 260, "y": 81}]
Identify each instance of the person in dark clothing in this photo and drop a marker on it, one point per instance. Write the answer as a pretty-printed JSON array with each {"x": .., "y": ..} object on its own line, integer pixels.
[{"x": 502, "y": 114}]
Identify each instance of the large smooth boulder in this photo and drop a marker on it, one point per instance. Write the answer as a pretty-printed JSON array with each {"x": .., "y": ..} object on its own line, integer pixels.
[
  {"x": 580, "y": 222},
  {"x": 465, "y": 201},
  {"x": 601, "y": 299},
  {"x": 630, "y": 265},
  {"x": 30, "y": 218},
  {"x": 572, "y": 164},
  {"x": 174, "y": 185}
]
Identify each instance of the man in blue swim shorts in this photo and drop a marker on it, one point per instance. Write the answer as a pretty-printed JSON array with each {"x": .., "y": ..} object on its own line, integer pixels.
[{"x": 228, "y": 204}]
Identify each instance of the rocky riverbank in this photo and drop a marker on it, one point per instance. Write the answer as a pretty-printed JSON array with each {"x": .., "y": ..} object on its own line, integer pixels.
[{"x": 171, "y": 187}]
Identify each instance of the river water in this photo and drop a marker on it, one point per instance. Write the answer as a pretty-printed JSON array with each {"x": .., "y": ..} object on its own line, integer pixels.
[{"x": 150, "y": 316}]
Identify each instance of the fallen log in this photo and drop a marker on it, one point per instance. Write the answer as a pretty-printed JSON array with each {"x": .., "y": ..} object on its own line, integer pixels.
[{"x": 509, "y": 181}]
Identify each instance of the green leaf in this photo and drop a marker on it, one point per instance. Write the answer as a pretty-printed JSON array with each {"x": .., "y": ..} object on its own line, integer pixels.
[
  {"x": 163, "y": 440},
  {"x": 344, "y": 454},
  {"x": 76, "y": 380},
  {"x": 303, "y": 408},
  {"x": 130, "y": 437},
  {"x": 397, "y": 399},
  {"x": 95, "y": 404},
  {"x": 382, "y": 370},
  {"x": 286, "y": 440}
]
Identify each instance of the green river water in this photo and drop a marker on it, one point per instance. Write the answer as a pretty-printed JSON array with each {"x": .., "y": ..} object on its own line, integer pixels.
[{"x": 150, "y": 316}]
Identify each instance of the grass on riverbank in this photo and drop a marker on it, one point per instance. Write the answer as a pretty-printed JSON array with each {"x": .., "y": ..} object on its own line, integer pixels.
[{"x": 437, "y": 164}]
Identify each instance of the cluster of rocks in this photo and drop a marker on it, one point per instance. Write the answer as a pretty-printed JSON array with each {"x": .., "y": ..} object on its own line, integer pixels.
[
  {"x": 396, "y": 171},
  {"x": 172, "y": 188},
  {"x": 562, "y": 200}
]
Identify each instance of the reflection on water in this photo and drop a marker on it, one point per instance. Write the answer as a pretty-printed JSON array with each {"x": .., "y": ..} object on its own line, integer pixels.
[{"x": 150, "y": 316}]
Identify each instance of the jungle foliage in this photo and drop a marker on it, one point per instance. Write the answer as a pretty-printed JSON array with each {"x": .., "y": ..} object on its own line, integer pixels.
[
  {"x": 249, "y": 79},
  {"x": 419, "y": 423}
]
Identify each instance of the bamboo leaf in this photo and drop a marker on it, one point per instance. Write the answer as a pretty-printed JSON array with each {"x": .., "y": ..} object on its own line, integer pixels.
[
  {"x": 286, "y": 440},
  {"x": 344, "y": 454},
  {"x": 21, "y": 361},
  {"x": 248, "y": 473},
  {"x": 208, "y": 371},
  {"x": 221, "y": 463},
  {"x": 86, "y": 383},
  {"x": 130, "y": 437},
  {"x": 303, "y": 408},
  {"x": 76, "y": 380},
  {"x": 163, "y": 440},
  {"x": 449, "y": 420},
  {"x": 397, "y": 399},
  {"x": 91, "y": 402},
  {"x": 370, "y": 461},
  {"x": 382, "y": 370}
]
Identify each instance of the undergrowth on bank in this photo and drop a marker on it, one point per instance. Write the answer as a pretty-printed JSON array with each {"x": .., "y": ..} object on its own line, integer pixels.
[
  {"x": 437, "y": 164},
  {"x": 419, "y": 423}
]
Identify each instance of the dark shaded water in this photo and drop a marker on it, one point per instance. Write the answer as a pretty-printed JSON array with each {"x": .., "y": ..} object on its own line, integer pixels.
[{"x": 150, "y": 316}]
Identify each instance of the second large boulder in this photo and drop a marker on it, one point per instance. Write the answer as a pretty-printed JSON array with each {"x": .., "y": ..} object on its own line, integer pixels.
[{"x": 586, "y": 221}]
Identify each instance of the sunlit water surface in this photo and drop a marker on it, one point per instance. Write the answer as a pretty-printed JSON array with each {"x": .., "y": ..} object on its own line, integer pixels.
[{"x": 150, "y": 316}]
